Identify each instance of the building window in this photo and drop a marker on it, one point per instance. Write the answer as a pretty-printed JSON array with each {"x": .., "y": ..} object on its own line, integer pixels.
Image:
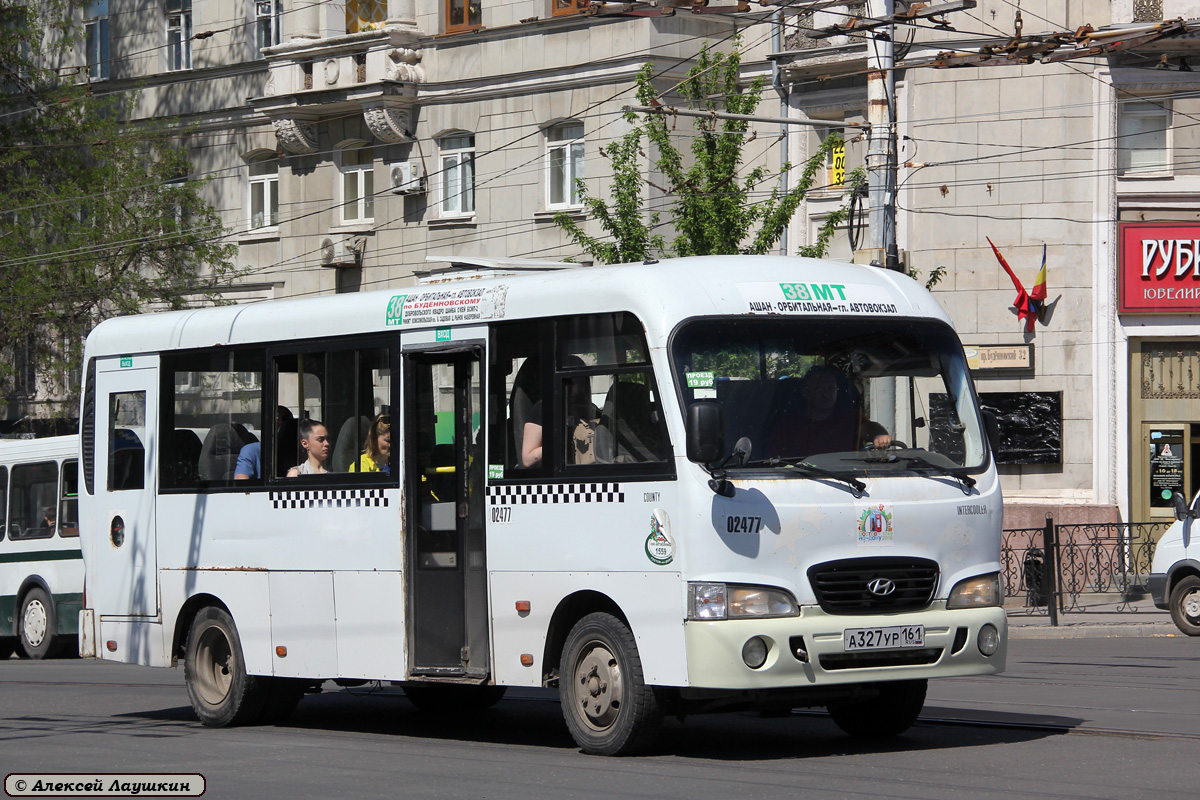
[
  {"x": 365, "y": 15},
  {"x": 96, "y": 39},
  {"x": 268, "y": 21},
  {"x": 458, "y": 174},
  {"x": 1142, "y": 144},
  {"x": 564, "y": 164},
  {"x": 463, "y": 15},
  {"x": 179, "y": 35},
  {"x": 560, "y": 8},
  {"x": 264, "y": 191},
  {"x": 357, "y": 167}
]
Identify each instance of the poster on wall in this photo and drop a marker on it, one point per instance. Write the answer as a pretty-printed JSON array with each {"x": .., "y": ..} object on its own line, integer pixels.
[
  {"x": 1029, "y": 423},
  {"x": 1158, "y": 267},
  {"x": 1166, "y": 466}
]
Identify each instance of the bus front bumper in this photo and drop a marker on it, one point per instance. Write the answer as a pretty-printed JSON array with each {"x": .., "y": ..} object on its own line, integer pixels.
[{"x": 811, "y": 650}]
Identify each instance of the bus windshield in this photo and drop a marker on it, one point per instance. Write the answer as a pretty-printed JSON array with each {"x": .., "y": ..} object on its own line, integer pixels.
[{"x": 848, "y": 394}]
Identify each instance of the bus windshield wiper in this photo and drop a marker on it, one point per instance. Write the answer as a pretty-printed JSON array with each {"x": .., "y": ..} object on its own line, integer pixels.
[
  {"x": 810, "y": 471},
  {"x": 918, "y": 462}
]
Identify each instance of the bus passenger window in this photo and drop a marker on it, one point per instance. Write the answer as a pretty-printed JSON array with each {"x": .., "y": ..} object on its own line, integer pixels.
[
  {"x": 68, "y": 506},
  {"x": 34, "y": 497},
  {"x": 3, "y": 501},
  {"x": 213, "y": 413},
  {"x": 126, "y": 453}
]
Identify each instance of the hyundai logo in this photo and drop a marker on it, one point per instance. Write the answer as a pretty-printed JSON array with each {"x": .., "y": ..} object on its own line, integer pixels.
[{"x": 881, "y": 587}]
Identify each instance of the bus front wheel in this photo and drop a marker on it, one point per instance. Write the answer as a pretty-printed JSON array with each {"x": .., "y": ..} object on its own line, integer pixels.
[
  {"x": 891, "y": 713},
  {"x": 215, "y": 673},
  {"x": 608, "y": 707},
  {"x": 37, "y": 624},
  {"x": 1185, "y": 605}
]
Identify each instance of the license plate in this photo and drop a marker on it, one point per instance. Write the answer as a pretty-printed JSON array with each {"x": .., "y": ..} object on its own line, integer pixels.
[{"x": 893, "y": 638}]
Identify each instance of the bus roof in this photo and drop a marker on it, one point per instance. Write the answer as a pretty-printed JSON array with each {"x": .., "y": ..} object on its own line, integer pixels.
[
  {"x": 660, "y": 293},
  {"x": 15, "y": 451}
]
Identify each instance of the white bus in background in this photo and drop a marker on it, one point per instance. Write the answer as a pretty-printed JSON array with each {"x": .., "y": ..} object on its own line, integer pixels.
[
  {"x": 668, "y": 488},
  {"x": 41, "y": 569}
]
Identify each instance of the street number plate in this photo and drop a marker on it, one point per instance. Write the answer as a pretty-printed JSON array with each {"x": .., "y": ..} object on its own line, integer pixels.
[{"x": 894, "y": 638}]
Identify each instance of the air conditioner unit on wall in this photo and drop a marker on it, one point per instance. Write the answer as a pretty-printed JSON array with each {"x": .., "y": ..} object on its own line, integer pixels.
[
  {"x": 407, "y": 178},
  {"x": 342, "y": 251}
]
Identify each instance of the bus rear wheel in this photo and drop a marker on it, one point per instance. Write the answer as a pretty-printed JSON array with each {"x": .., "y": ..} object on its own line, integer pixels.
[
  {"x": 608, "y": 707},
  {"x": 891, "y": 713},
  {"x": 214, "y": 670},
  {"x": 37, "y": 624}
]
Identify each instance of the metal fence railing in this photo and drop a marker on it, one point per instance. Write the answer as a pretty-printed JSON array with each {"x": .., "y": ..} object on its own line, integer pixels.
[{"x": 1078, "y": 567}]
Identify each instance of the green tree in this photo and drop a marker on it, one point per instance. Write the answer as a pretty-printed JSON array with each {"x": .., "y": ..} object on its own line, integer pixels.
[
  {"x": 97, "y": 215},
  {"x": 711, "y": 205}
]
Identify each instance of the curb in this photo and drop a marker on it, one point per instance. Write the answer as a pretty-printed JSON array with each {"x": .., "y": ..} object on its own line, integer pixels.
[{"x": 1093, "y": 630}]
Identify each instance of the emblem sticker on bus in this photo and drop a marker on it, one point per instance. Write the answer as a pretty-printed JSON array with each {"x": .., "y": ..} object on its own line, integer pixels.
[
  {"x": 875, "y": 525},
  {"x": 659, "y": 547}
]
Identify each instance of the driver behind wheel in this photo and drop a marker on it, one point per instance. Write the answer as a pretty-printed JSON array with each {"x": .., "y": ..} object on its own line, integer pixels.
[{"x": 823, "y": 415}]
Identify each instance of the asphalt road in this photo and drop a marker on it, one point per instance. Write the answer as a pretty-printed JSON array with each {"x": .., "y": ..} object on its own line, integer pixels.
[{"x": 1076, "y": 718}]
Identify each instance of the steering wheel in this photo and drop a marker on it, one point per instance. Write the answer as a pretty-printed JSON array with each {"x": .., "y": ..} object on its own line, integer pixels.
[{"x": 895, "y": 444}]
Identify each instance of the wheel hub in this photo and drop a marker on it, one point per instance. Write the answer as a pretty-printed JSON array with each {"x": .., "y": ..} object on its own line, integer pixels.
[
  {"x": 34, "y": 623},
  {"x": 598, "y": 691},
  {"x": 1191, "y": 604},
  {"x": 213, "y": 674}
]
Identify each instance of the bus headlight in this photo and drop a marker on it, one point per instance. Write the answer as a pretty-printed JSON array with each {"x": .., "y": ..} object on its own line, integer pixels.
[
  {"x": 738, "y": 601},
  {"x": 978, "y": 592}
]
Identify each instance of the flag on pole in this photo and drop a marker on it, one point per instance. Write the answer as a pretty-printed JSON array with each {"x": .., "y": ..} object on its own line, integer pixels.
[
  {"x": 1037, "y": 297},
  {"x": 1026, "y": 311}
]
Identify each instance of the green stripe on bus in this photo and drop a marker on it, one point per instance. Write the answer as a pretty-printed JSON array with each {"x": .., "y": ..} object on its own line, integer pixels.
[{"x": 40, "y": 555}]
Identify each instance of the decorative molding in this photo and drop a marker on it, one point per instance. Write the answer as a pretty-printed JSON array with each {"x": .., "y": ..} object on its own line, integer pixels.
[
  {"x": 295, "y": 136},
  {"x": 332, "y": 71},
  {"x": 388, "y": 123},
  {"x": 269, "y": 89},
  {"x": 403, "y": 66}
]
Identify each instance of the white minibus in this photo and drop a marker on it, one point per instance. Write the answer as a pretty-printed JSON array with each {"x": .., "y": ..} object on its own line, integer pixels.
[
  {"x": 667, "y": 488},
  {"x": 41, "y": 569}
]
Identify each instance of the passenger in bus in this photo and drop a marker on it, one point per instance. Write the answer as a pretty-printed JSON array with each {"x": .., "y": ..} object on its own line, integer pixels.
[
  {"x": 582, "y": 417},
  {"x": 376, "y": 457},
  {"x": 48, "y": 519},
  {"x": 314, "y": 440},
  {"x": 825, "y": 415},
  {"x": 249, "y": 462}
]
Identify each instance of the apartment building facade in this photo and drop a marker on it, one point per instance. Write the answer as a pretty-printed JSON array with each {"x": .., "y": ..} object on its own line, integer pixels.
[{"x": 347, "y": 144}]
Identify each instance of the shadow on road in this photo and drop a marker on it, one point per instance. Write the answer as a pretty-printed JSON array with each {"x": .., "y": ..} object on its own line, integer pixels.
[{"x": 538, "y": 723}]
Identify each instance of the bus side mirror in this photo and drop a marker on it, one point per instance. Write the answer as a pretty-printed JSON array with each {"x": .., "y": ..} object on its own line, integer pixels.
[
  {"x": 992, "y": 427},
  {"x": 1182, "y": 512},
  {"x": 705, "y": 432}
]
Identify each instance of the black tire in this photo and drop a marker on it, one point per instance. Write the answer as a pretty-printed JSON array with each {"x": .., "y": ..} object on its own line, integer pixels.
[
  {"x": 437, "y": 698},
  {"x": 36, "y": 624},
  {"x": 1185, "y": 605},
  {"x": 890, "y": 714},
  {"x": 215, "y": 673},
  {"x": 608, "y": 707}
]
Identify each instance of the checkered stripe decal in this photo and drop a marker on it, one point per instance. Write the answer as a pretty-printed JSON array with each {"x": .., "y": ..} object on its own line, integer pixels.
[
  {"x": 555, "y": 493},
  {"x": 330, "y": 498}
]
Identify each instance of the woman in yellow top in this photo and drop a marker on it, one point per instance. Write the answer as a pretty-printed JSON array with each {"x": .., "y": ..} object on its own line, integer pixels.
[{"x": 378, "y": 453}]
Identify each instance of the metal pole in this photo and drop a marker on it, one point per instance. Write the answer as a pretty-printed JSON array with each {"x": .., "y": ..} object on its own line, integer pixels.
[
  {"x": 881, "y": 138},
  {"x": 1050, "y": 567}
]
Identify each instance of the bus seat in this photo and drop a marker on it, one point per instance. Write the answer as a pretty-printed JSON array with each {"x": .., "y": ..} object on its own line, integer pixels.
[
  {"x": 629, "y": 430},
  {"x": 187, "y": 449},
  {"x": 219, "y": 453},
  {"x": 287, "y": 448},
  {"x": 347, "y": 446}
]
